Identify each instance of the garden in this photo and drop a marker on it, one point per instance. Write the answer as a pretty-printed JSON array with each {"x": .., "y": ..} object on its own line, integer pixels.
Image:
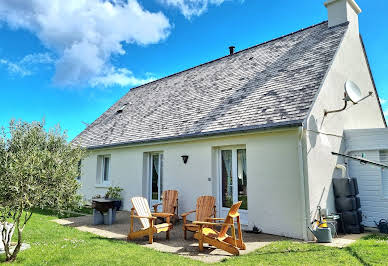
[
  {"x": 54, "y": 244},
  {"x": 38, "y": 171}
]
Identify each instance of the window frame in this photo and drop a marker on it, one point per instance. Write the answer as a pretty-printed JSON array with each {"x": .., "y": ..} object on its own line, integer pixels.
[
  {"x": 160, "y": 178},
  {"x": 222, "y": 210},
  {"x": 102, "y": 170}
]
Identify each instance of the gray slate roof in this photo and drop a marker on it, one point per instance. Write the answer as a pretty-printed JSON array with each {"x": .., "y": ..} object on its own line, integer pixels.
[{"x": 269, "y": 85}]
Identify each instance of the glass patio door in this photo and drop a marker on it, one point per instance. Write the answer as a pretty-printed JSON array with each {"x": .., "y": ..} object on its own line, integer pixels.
[
  {"x": 156, "y": 178},
  {"x": 233, "y": 181}
]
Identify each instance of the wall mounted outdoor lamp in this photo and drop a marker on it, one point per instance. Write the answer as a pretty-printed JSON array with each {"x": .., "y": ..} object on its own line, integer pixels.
[{"x": 185, "y": 158}]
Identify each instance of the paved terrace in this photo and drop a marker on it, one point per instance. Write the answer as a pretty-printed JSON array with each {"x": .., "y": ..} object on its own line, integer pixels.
[{"x": 189, "y": 248}]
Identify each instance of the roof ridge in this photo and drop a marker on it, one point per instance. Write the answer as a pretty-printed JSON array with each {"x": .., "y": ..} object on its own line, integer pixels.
[{"x": 243, "y": 50}]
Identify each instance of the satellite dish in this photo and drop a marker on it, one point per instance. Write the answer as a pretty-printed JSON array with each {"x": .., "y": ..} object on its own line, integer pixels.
[{"x": 353, "y": 92}]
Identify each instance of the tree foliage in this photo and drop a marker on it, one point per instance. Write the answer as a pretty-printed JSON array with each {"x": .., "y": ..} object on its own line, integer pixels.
[{"x": 38, "y": 169}]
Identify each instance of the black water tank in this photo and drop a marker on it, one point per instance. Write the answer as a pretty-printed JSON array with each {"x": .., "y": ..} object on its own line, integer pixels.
[
  {"x": 345, "y": 187},
  {"x": 352, "y": 217},
  {"x": 354, "y": 228},
  {"x": 347, "y": 203}
]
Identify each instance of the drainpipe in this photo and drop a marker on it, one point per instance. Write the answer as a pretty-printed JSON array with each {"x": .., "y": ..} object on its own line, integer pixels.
[
  {"x": 343, "y": 169},
  {"x": 304, "y": 185}
]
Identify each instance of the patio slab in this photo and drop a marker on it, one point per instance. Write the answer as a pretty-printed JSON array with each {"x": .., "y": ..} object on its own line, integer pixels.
[
  {"x": 23, "y": 247},
  {"x": 176, "y": 244},
  {"x": 344, "y": 240}
]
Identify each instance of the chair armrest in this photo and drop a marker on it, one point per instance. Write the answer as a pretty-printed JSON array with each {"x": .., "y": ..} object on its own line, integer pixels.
[
  {"x": 140, "y": 217},
  {"x": 208, "y": 223},
  {"x": 161, "y": 214},
  {"x": 187, "y": 213},
  {"x": 215, "y": 219},
  {"x": 155, "y": 206}
]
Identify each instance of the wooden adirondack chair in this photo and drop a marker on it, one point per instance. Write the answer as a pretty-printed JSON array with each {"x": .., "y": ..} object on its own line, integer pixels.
[
  {"x": 169, "y": 203},
  {"x": 220, "y": 239},
  {"x": 147, "y": 219},
  {"x": 206, "y": 208}
]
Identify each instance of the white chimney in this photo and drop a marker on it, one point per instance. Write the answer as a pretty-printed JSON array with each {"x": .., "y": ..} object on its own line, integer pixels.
[{"x": 341, "y": 11}]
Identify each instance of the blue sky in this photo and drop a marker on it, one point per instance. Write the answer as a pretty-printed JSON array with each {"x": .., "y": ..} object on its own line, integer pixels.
[{"x": 68, "y": 64}]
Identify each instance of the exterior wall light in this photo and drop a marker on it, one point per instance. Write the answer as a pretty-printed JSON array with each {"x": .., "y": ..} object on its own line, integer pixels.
[{"x": 185, "y": 158}]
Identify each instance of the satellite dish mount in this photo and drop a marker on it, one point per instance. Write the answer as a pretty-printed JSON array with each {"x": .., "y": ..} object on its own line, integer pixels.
[{"x": 353, "y": 94}]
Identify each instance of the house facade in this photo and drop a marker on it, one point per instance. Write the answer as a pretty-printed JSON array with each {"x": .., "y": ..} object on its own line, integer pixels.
[{"x": 250, "y": 126}]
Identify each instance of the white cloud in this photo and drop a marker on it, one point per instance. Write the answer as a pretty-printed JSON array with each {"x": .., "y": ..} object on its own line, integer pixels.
[
  {"x": 27, "y": 65},
  {"x": 84, "y": 34},
  {"x": 190, "y": 8},
  {"x": 383, "y": 101},
  {"x": 14, "y": 68},
  {"x": 38, "y": 58},
  {"x": 120, "y": 76}
]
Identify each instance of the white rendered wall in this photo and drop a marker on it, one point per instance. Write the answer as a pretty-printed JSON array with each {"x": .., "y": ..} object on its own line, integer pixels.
[
  {"x": 274, "y": 189},
  {"x": 349, "y": 63}
]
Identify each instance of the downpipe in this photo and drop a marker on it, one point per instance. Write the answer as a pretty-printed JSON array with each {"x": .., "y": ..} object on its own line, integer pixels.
[
  {"x": 343, "y": 169},
  {"x": 304, "y": 186}
]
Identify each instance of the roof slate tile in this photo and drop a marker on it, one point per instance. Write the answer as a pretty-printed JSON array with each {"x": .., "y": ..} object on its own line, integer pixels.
[{"x": 270, "y": 84}]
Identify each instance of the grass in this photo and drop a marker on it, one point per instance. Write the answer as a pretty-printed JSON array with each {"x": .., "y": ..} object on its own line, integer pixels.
[
  {"x": 54, "y": 244},
  {"x": 372, "y": 250}
]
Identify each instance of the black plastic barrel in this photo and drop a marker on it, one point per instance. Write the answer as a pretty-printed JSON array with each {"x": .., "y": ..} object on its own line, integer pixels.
[
  {"x": 352, "y": 217},
  {"x": 347, "y": 203},
  {"x": 344, "y": 187},
  {"x": 354, "y": 228}
]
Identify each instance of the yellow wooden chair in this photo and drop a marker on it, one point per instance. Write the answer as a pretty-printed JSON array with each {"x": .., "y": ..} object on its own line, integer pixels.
[
  {"x": 206, "y": 208},
  {"x": 220, "y": 239},
  {"x": 169, "y": 204},
  {"x": 147, "y": 219}
]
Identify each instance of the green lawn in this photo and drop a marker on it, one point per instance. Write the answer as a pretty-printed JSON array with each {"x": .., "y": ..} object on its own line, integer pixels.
[{"x": 55, "y": 244}]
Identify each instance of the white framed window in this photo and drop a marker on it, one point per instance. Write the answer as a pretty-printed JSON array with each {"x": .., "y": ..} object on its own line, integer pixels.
[
  {"x": 103, "y": 171},
  {"x": 384, "y": 173},
  {"x": 233, "y": 180},
  {"x": 155, "y": 177}
]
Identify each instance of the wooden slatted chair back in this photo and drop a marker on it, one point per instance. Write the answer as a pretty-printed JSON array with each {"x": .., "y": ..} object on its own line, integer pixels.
[
  {"x": 205, "y": 208},
  {"x": 142, "y": 209},
  {"x": 170, "y": 201},
  {"x": 233, "y": 212}
]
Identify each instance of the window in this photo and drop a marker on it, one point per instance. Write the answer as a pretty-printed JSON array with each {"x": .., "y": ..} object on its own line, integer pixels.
[
  {"x": 384, "y": 173},
  {"x": 156, "y": 178},
  {"x": 103, "y": 171},
  {"x": 242, "y": 178},
  {"x": 234, "y": 178}
]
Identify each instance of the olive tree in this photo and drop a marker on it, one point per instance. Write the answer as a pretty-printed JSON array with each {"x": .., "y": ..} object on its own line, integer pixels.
[{"x": 38, "y": 169}]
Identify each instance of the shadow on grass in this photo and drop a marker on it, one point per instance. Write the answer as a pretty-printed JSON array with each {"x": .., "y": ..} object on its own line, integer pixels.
[
  {"x": 378, "y": 236},
  {"x": 65, "y": 214},
  {"x": 354, "y": 253}
]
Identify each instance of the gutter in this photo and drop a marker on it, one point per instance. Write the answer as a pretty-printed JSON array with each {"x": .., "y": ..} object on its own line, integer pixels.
[{"x": 249, "y": 129}]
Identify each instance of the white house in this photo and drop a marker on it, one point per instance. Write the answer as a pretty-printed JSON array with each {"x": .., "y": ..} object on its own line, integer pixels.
[{"x": 252, "y": 124}]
